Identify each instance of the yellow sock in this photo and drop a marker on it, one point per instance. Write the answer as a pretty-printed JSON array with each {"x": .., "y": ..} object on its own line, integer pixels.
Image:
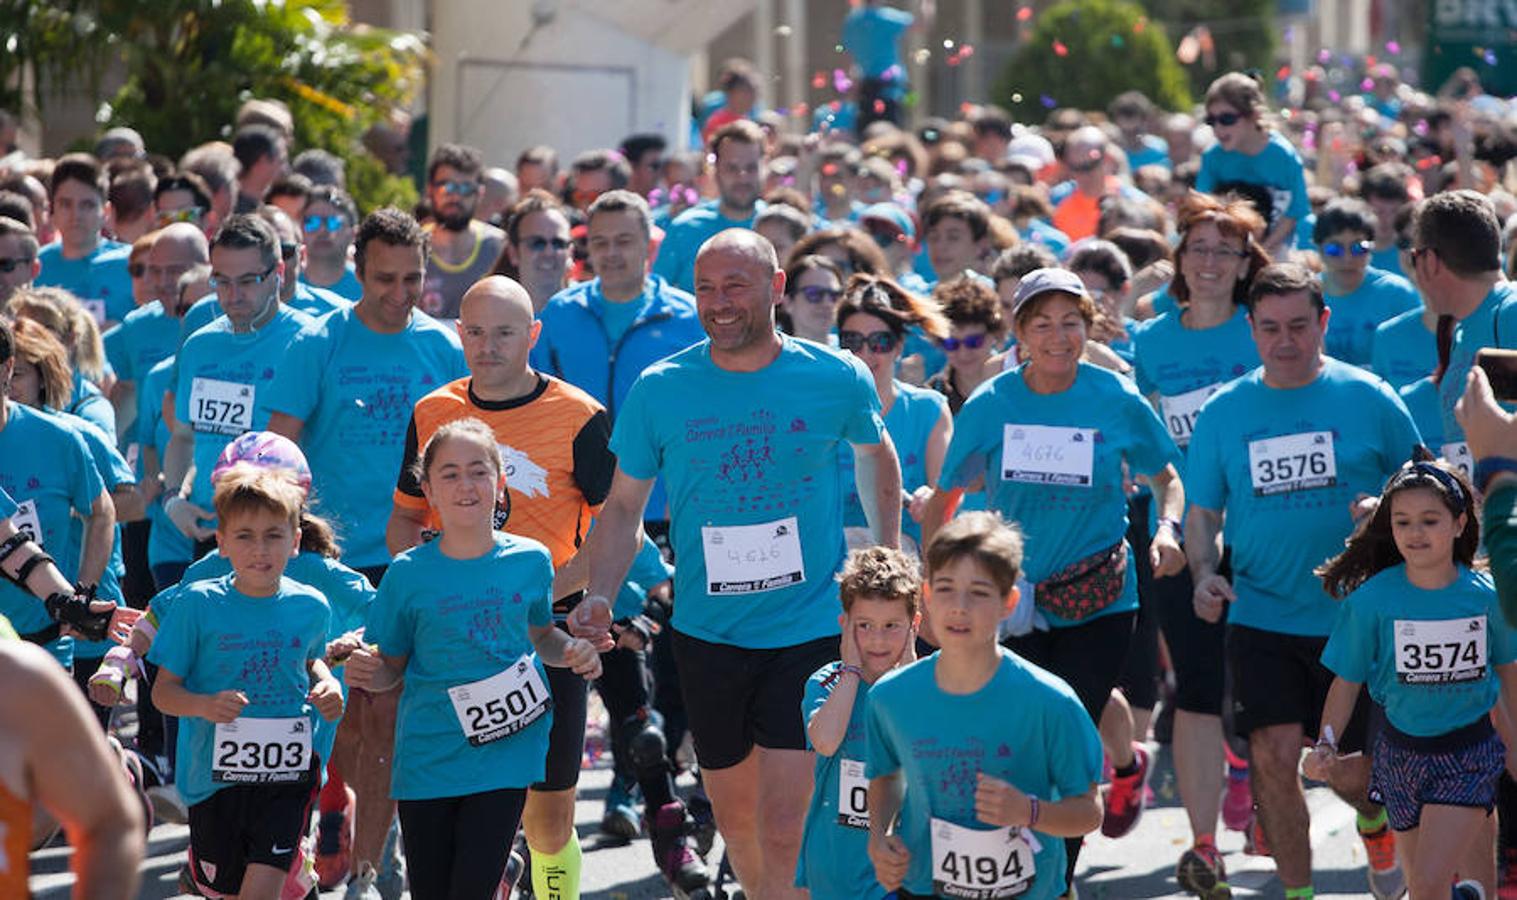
[{"x": 555, "y": 876}]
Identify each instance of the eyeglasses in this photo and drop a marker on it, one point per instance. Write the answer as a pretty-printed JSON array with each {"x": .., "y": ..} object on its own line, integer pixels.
[
  {"x": 189, "y": 214},
  {"x": 876, "y": 341},
  {"x": 9, "y": 265},
  {"x": 1416, "y": 253},
  {"x": 539, "y": 244},
  {"x": 815, "y": 293},
  {"x": 1226, "y": 120},
  {"x": 334, "y": 222},
  {"x": 970, "y": 342},
  {"x": 136, "y": 270},
  {"x": 1214, "y": 253},
  {"x": 1337, "y": 249},
  {"x": 222, "y": 283},
  {"x": 458, "y": 188}
]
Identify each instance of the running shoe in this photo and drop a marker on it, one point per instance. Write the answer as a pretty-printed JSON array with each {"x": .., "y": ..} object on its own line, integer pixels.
[
  {"x": 620, "y": 818},
  {"x": 1124, "y": 799},
  {"x": 1387, "y": 881},
  {"x": 361, "y": 886},
  {"x": 1254, "y": 842},
  {"x": 334, "y": 844},
  {"x": 1202, "y": 873},
  {"x": 391, "y": 880},
  {"x": 1468, "y": 890},
  {"x": 669, "y": 833},
  {"x": 1237, "y": 801}
]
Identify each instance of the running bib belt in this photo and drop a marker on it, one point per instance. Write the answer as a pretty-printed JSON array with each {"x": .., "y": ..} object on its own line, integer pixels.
[
  {"x": 981, "y": 865},
  {"x": 26, "y": 520},
  {"x": 853, "y": 794},
  {"x": 259, "y": 751},
  {"x": 1440, "y": 652},
  {"x": 1458, "y": 455},
  {"x": 221, "y": 407},
  {"x": 1048, "y": 454},
  {"x": 501, "y": 705},
  {"x": 1180, "y": 412},
  {"x": 1292, "y": 462},
  {"x": 749, "y": 559}
]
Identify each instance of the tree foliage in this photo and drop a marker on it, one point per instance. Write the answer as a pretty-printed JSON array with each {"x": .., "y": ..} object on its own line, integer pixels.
[
  {"x": 190, "y": 64},
  {"x": 1242, "y": 32},
  {"x": 1082, "y": 53}
]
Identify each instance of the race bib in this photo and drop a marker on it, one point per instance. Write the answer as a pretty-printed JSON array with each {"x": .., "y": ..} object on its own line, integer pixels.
[
  {"x": 853, "y": 794},
  {"x": 133, "y": 455},
  {"x": 1458, "y": 455},
  {"x": 1180, "y": 412},
  {"x": 26, "y": 520},
  {"x": 981, "y": 865},
  {"x": 259, "y": 751},
  {"x": 221, "y": 407},
  {"x": 1048, "y": 454},
  {"x": 1440, "y": 652},
  {"x": 501, "y": 705},
  {"x": 749, "y": 559},
  {"x": 1292, "y": 462}
]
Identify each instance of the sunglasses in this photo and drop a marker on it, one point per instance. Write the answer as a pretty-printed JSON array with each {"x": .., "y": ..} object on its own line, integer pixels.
[
  {"x": 333, "y": 222},
  {"x": 876, "y": 341},
  {"x": 972, "y": 342},
  {"x": 9, "y": 265},
  {"x": 817, "y": 294},
  {"x": 1337, "y": 249},
  {"x": 221, "y": 282},
  {"x": 1226, "y": 120},
  {"x": 458, "y": 188},
  {"x": 539, "y": 244},
  {"x": 192, "y": 214}
]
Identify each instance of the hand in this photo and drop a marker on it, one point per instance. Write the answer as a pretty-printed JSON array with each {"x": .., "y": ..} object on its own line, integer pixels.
[
  {"x": 891, "y": 860},
  {"x": 1488, "y": 429},
  {"x": 1319, "y": 763},
  {"x": 223, "y": 706},
  {"x": 848, "y": 644},
  {"x": 997, "y": 802},
  {"x": 582, "y": 658},
  {"x": 1363, "y": 505},
  {"x": 1210, "y": 596},
  {"x": 591, "y": 620},
  {"x": 107, "y": 686},
  {"x": 909, "y": 652},
  {"x": 342, "y": 647},
  {"x": 102, "y": 616},
  {"x": 326, "y": 696},
  {"x": 916, "y": 504},
  {"x": 186, "y": 517},
  {"x": 123, "y": 620},
  {"x": 1164, "y": 553},
  {"x": 363, "y": 667}
]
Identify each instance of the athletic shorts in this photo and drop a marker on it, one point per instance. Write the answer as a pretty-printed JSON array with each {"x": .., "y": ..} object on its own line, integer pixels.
[
  {"x": 1279, "y": 679},
  {"x": 1460, "y": 768},
  {"x": 245, "y": 824},
  {"x": 1197, "y": 647},
  {"x": 566, "y": 739},
  {"x": 1089, "y": 656},
  {"x": 737, "y": 697}
]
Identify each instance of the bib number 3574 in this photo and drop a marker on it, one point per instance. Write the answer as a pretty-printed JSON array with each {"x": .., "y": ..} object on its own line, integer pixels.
[
  {"x": 981, "y": 865},
  {"x": 259, "y": 751},
  {"x": 501, "y": 705},
  {"x": 1440, "y": 652}
]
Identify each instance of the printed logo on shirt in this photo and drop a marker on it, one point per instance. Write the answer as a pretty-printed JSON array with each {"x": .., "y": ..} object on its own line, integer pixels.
[{"x": 522, "y": 473}]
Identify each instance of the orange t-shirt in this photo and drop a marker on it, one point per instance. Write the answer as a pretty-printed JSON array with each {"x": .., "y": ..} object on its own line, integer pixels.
[
  {"x": 556, "y": 446},
  {"x": 15, "y": 841}
]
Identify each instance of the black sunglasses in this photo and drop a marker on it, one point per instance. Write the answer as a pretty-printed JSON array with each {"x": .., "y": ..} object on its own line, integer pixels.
[
  {"x": 876, "y": 341},
  {"x": 1226, "y": 120},
  {"x": 9, "y": 265},
  {"x": 972, "y": 342}
]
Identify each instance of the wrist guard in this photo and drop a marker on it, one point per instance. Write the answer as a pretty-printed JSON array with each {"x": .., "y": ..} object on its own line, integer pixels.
[{"x": 73, "y": 610}]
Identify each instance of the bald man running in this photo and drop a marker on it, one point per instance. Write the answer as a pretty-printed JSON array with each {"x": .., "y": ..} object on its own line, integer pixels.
[{"x": 745, "y": 428}]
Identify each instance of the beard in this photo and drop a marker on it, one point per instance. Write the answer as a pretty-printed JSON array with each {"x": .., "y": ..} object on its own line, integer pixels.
[{"x": 457, "y": 219}]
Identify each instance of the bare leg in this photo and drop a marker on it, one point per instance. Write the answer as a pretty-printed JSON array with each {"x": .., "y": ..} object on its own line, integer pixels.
[
  {"x": 734, "y": 801},
  {"x": 370, "y": 774},
  {"x": 1276, "y": 751},
  {"x": 782, "y": 817},
  {"x": 1117, "y": 730},
  {"x": 1199, "y": 768}
]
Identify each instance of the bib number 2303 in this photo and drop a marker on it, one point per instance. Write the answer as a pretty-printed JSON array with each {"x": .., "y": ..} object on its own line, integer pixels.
[
  {"x": 981, "y": 865},
  {"x": 501, "y": 705},
  {"x": 259, "y": 751}
]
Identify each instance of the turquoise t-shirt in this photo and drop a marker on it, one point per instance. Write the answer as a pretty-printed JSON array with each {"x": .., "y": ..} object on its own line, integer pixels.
[
  {"x": 1404, "y": 349},
  {"x": 146, "y": 335},
  {"x": 755, "y": 492},
  {"x": 1427, "y": 656},
  {"x": 685, "y": 235},
  {"x": 114, "y": 472},
  {"x": 1356, "y": 315},
  {"x": 314, "y": 301},
  {"x": 222, "y": 386},
  {"x": 834, "y": 857},
  {"x": 1183, "y": 365},
  {"x": 910, "y": 421},
  {"x": 88, "y": 403},
  {"x": 7, "y": 505},
  {"x": 99, "y": 278},
  {"x": 218, "y": 639},
  {"x": 1388, "y": 260},
  {"x": 354, "y": 389},
  {"x": 201, "y": 313},
  {"x": 347, "y": 287},
  {"x": 1285, "y": 465},
  {"x": 1276, "y": 170},
  {"x": 1053, "y": 463},
  {"x": 615, "y": 317},
  {"x": 1421, "y": 399},
  {"x": 165, "y": 542},
  {"x": 1043, "y": 743},
  {"x": 459, "y": 621},
  {"x": 1482, "y": 328}
]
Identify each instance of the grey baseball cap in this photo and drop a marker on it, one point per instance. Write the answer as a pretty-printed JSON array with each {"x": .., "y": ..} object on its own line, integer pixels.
[{"x": 1042, "y": 281}]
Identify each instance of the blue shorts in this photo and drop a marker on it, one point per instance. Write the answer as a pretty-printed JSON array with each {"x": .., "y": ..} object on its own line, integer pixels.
[{"x": 1461, "y": 768}]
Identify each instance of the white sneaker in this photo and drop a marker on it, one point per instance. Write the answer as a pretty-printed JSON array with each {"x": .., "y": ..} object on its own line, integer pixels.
[{"x": 361, "y": 886}]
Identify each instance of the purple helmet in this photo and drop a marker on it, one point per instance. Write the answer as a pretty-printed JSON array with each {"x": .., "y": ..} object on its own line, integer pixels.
[{"x": 265, "y": 448}]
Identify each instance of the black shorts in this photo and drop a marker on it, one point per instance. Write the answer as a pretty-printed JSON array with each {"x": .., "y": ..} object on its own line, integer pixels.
[
  {"x": 736, "y": 697},
  {"x": 245, "y": 824},
  {"x": 1279, "y": 679},
  {"x": 566, "y": 739},
  {"x": 1197, "y": 648},
  {"x": 1089, "y": 656}
]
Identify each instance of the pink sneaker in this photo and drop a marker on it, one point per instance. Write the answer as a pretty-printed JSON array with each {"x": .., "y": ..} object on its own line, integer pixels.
[
  {"x": 1238, "y": 801},
  {"x": 1125, "y": 798}
]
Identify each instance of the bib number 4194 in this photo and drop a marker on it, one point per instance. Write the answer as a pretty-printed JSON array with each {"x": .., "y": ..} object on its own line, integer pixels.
[{"x": 981, "y": 865}]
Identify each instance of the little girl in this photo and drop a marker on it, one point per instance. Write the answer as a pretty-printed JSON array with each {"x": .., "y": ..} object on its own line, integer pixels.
[{"x": 1426, "y": 634}]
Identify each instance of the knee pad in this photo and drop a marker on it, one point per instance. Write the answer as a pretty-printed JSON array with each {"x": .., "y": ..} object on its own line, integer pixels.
[{"x": 647, "y": 749}]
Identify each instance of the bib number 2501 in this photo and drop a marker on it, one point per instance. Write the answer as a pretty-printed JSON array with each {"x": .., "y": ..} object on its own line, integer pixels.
[{"x": 501, "y": 705}]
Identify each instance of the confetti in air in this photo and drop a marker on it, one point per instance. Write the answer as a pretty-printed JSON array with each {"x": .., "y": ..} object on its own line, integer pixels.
[
  {"x": 1059, "y": 49},
  {"x": 1393, "y": 48},
  {"x": 1024, "y": 13}
]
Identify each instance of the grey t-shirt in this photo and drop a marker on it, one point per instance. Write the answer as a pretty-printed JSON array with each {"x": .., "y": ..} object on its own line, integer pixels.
[{"x": 445, "y": 284}]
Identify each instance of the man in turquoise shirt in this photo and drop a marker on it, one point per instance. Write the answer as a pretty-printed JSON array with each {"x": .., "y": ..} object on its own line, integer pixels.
[
  {"x": 82, "y": 259},
  {"x": 738, "y": 149}
]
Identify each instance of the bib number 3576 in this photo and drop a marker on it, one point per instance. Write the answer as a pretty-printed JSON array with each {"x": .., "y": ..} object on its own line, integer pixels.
[
  {"x": 259, "y": 751},
  {"x": 1292, "y": 462},
  {"x": 501, "y": 705},
  {"x": 981, "y": 865}
]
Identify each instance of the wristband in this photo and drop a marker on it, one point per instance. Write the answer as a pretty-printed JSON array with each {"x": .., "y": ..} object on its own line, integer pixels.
[
  {"x": 1032, "y": 814},
  {"x": 1489, "y": 468},
  {"x": 846, "y": 668},
  {"x": 1174, "y": 526}
]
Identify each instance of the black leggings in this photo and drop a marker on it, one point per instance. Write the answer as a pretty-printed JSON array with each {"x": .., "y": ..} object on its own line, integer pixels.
[{"x": 456, "y": 847}]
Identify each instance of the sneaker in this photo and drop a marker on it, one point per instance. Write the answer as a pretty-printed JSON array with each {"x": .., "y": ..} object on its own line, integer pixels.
[
  {"x": 361, "y": 887},
  {"x": 168, "y": 806},
  {"x": 620, "y": 818},
  {"x": 391, "y": 880},
  {"x": 1201, "y": 873},
  {"x": 1237, "y": 801},
  {"x": 668, "y": 833},
  {"x": 334, "y": 844},
  {"x": 1254, "y": 842},
  {"x": 1387, "y": 882},
  {"x": 1468, "y": 890},
  {"x": 1124, "y": 799}
]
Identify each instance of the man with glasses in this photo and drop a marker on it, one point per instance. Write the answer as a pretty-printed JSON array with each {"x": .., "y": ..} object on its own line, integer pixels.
[
  {"x": 1360, "y": 295},
  {"x": 183, "y": 197},
  {"x": 737, "y": 155},
  {"x": 18, "y": 257},
  {"x": 328, "y": 228},
  {"x": 537, "y": 247},
  {"x": 82, "y": 260},
  {"x": 464, "y": 249}
]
